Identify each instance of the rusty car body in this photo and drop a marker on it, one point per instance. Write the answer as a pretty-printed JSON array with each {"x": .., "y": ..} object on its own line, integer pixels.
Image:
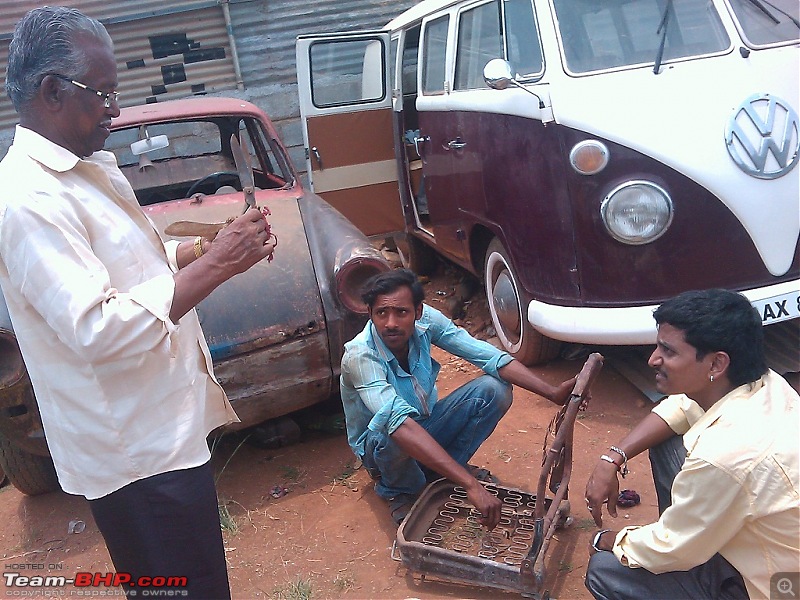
[{"x": 276, "y": 332}]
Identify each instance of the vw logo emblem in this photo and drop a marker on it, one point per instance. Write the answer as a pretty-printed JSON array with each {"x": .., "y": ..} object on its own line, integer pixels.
[{"x": 763, "y": 136}]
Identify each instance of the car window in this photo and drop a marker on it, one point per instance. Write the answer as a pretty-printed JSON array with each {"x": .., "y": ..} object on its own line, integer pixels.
[
  {"x": 479, "y": 41},
  {"x": 190, "y": 138},
  {"x": 337, "y": 72},
  {"x": 605, "y": 34},
  {"x": 767, "y": 22},
  {"x": 266, "y": 155},
  {"x": 434, "y": 54},
  {"x": 197, "y": 158}
]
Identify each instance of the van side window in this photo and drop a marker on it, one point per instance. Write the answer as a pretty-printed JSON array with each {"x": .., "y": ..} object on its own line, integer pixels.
[
  {"x": 410, "y": 53},
  {"x": 479, "y": 41},
  {"x": 408, "y": 80},
  {"x": 337, "y": 72},
  {"x": 434, "y": 52},
  {"x": 523, "y": 46},
  {"x": 392, "y": 63}
]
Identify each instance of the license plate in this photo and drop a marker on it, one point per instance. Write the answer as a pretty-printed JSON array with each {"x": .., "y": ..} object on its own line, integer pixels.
[{"x": 779, "y": 308}]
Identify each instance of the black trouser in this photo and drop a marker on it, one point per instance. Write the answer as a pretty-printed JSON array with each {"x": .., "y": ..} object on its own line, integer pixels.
[
  {"x": 716, "y": 579},
  {"x": 167, "y": 526}
]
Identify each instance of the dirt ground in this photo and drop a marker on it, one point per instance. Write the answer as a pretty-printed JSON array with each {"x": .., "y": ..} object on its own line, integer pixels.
[{"x": 302, "y": 522}]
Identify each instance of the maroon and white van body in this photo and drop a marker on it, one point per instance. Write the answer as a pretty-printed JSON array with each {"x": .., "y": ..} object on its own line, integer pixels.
[{"x": 641, "y": 149}]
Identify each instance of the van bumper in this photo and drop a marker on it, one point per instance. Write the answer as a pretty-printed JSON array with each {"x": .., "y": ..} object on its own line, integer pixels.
[{"x": 634, "y": 325}]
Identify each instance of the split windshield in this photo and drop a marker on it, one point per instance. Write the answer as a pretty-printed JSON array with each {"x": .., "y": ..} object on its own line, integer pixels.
[{"x": 606, "y": 34}]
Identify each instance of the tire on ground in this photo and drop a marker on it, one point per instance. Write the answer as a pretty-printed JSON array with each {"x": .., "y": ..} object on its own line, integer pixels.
[
  {"x": 417, "y": 256},
  {"x": 508, "y": 309},
  {"x": 30, "y": 473}
]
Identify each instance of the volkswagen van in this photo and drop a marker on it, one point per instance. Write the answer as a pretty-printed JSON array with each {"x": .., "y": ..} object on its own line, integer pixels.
[{"x": 626, "y": 150}]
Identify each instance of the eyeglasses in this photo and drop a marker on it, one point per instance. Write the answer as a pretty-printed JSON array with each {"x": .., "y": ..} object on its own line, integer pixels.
[{"x": 108, "y": 97}]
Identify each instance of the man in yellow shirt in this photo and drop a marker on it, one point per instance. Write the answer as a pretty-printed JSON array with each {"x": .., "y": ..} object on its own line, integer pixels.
[{"x": 724, "y": 452}]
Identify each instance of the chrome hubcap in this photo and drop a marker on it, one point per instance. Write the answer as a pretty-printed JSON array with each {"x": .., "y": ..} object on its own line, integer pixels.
[{"x": 505, "y": 303}]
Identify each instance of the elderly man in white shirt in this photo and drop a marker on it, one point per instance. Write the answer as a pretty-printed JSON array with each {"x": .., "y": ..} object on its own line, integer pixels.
[
  {"x": 104, "y": 311},
  {"x": 724, "y": 452}
]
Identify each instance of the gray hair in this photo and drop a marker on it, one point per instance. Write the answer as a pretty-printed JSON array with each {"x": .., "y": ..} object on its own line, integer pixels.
[{"x": 45, "y": 43}]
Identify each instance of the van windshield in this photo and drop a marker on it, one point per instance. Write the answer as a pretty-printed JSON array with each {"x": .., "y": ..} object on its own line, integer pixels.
[
  {"x": 767, "y": 22},
  {"x": 607, "y": 34}
]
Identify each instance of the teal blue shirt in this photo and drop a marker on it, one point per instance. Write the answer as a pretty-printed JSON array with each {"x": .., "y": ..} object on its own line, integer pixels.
[{"x": 378, "y": 394}]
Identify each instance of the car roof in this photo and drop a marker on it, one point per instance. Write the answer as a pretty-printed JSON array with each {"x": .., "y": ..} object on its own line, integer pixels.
[{"x": 186, "y": 108}]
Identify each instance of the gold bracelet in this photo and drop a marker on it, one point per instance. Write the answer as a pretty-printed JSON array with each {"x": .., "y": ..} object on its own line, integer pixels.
[{"x": 198, "y": 247}]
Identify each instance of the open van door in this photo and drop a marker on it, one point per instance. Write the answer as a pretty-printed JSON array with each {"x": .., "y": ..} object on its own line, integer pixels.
[{"x": 346, "y": 113}]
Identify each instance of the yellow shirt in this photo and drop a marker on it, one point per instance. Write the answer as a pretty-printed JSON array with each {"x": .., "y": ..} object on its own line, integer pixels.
[
  {"x": 124, "y": 393},
  {"x": 737, "y": 493}
]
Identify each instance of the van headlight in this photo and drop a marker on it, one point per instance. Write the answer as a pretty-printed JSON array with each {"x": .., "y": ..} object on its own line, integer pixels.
[{"x": 637, "y": 212}]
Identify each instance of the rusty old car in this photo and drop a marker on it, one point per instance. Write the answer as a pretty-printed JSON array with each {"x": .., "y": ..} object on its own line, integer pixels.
[{"x": 276, "y": 332}]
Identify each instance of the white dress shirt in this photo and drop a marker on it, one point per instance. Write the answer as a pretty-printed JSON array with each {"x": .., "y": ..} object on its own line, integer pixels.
[{"x": 124, "y": 393}]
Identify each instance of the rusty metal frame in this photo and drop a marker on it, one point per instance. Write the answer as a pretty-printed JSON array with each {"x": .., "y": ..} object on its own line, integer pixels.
[{"x": 548, "y": 514}]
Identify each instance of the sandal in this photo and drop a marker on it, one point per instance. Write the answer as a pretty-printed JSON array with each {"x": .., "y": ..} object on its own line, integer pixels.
[
  {"x": 400, "y": 506},
  {"x": 482, "y": 475}
]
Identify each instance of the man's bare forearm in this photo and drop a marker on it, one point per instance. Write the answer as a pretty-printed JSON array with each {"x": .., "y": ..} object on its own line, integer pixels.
[
  {"x": 419, "y": 445},
  {"x": 518, "y": 374},
  {"x": 649, "y": 432}
]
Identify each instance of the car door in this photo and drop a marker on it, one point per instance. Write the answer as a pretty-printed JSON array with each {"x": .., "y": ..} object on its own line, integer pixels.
[{"x": 347, "y": 121}]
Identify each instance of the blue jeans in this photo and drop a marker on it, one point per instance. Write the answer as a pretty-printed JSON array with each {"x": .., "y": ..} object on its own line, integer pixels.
[{"x": 459, "y": 423}]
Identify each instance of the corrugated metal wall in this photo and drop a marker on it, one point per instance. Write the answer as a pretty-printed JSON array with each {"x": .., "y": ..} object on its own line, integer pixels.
[
  {"x": 266, "y": 30},
  {"x": 166, "y": 49}
]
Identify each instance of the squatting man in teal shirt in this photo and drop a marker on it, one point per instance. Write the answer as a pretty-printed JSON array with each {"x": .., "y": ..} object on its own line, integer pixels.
[{"x": 404, "y": 434}]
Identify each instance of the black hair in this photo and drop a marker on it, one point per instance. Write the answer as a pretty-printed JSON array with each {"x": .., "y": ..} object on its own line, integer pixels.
[
  {"x": 719, "y": 320},
  {"x": 390, "y": 281}
]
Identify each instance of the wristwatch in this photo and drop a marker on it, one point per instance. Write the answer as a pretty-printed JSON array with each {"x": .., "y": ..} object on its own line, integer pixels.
[{"x": 596, "y": 539}]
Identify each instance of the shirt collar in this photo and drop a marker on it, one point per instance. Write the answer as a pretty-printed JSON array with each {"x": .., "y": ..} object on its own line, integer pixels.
[
  {"x": 716, "y": 411},
  {"x": 387, "y": 354},
  {"x": 42, "y": 150}
]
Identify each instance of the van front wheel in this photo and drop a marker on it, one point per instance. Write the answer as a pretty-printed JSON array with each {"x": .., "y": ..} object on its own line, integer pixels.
[{"x": 508, "y": 310}]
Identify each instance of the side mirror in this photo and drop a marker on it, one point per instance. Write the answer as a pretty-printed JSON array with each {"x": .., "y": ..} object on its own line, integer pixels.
[
  {"x": 497, "y": 74},
  {"x": 149, "y": 144}
]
